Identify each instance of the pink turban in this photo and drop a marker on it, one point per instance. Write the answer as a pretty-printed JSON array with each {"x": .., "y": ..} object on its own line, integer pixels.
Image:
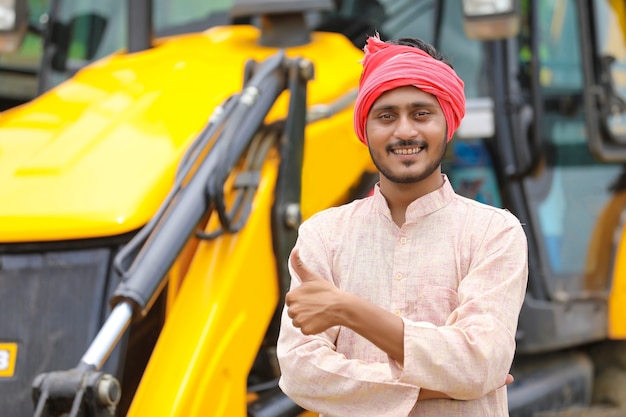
[{"x": 387, "y": 66}]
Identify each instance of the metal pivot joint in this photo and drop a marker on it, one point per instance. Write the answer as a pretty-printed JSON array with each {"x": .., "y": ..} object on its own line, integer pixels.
[{"x": 84, "y": 392}]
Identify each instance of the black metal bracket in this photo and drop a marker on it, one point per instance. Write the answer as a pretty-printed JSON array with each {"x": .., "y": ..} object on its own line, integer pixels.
[{"x": 82, "y": 393}]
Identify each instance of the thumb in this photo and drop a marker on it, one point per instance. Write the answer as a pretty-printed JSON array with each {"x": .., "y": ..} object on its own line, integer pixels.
[
  {"x": 303, "y": 272},
  {"x": 509, "y": 379}
]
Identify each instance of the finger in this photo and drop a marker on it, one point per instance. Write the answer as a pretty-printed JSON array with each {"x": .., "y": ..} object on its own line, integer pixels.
[
  {"x": 288, "y": 298},
  {"x": 509, "y": 379},
  {"x": 303, "y": 272}
]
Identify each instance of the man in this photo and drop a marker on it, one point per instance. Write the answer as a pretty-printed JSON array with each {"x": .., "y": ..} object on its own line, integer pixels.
[{"x": 404, "y": 303}]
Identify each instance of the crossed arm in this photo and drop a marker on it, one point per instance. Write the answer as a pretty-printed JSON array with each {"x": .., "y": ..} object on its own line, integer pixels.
[{"x": 317, "y": 305}]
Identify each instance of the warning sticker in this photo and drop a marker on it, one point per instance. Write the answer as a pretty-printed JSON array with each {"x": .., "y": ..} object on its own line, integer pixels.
[{"x": 8, "y": 353}]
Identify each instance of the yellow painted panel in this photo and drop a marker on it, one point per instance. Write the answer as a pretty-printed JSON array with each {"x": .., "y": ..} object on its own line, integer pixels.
[
  {"x": 213, "y": 332},
  {"x": 617, "y": 298}
]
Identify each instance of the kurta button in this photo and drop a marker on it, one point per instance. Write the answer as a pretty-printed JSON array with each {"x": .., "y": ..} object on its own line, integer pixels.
[
  {"x": 397, "y": 312},
  {"x": 403, "y": 240},
  {"x": 398, "y": 276}
]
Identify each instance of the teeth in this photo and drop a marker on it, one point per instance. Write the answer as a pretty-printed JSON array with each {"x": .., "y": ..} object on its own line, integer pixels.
[{"x": 406, "y": 151}]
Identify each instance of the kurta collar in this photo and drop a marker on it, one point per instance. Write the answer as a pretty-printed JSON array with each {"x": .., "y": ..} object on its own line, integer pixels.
[{"x": 423, "y": 206}]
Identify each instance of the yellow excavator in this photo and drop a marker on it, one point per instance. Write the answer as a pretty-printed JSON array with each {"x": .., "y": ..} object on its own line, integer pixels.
[{"x": 157, "y": 157}]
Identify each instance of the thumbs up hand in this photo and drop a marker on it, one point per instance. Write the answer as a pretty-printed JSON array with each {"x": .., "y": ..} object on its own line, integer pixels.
[{"x": 315, "y": 305}]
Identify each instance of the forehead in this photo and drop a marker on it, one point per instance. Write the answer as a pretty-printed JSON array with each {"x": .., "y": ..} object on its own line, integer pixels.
[{"x": 405, "y": 96}]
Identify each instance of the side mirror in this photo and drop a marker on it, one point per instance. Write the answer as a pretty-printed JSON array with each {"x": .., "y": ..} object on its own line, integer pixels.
[
  {"x": 491, "y": 19},
  {"x": 13, "y": 24}
]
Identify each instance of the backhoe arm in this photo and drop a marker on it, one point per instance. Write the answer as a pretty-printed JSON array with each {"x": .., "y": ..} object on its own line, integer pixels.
[{"x": 198, "y": 191}]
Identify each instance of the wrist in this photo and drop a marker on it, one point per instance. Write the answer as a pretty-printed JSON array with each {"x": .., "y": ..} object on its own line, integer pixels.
[{"x": 343, "y": 309}]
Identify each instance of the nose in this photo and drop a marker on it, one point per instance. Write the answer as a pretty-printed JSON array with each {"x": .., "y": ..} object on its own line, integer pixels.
[{"x": 406, "y": 128}]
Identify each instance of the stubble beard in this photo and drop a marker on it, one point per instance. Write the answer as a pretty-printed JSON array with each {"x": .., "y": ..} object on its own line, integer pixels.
[{"x": 408, "y": 178}]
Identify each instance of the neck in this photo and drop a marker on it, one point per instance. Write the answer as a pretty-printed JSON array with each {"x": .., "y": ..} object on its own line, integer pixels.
[{"x": 399, "y": 196}]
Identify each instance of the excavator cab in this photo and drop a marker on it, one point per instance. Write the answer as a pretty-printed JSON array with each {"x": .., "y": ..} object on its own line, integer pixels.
[{"x": 557, "y": 156}]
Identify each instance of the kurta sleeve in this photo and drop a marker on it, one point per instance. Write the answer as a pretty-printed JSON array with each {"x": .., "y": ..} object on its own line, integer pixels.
[
  {"x": 317, "y": 377},
  {"x": 471, "y": 354}
]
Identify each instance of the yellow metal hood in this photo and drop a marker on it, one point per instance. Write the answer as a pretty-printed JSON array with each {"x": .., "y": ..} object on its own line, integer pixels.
[{"x": 96, "y": 155}]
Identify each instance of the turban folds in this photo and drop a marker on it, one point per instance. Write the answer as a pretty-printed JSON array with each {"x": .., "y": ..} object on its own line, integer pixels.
[{"x": 388, "y": 66}]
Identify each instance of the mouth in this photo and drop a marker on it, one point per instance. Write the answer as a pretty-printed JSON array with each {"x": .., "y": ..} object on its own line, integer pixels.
[{"x": 414, "y": 150}]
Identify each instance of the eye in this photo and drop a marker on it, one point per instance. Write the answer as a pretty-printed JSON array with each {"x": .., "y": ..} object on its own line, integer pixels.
[
  {"x": 421, "y": 113},
  {"x": 386, "y": 116}
]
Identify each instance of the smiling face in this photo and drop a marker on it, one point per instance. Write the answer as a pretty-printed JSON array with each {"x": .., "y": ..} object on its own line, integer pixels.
[{"x": 406, "y": 133}]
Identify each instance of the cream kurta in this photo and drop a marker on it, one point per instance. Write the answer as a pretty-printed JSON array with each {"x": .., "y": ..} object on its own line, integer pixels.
[{"x": 455, "y": 272}]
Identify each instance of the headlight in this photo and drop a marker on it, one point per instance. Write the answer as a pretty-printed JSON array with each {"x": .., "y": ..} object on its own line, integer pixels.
[
  {"x": 491, "y": 19},
  {"x": 473, "y": 8}
]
